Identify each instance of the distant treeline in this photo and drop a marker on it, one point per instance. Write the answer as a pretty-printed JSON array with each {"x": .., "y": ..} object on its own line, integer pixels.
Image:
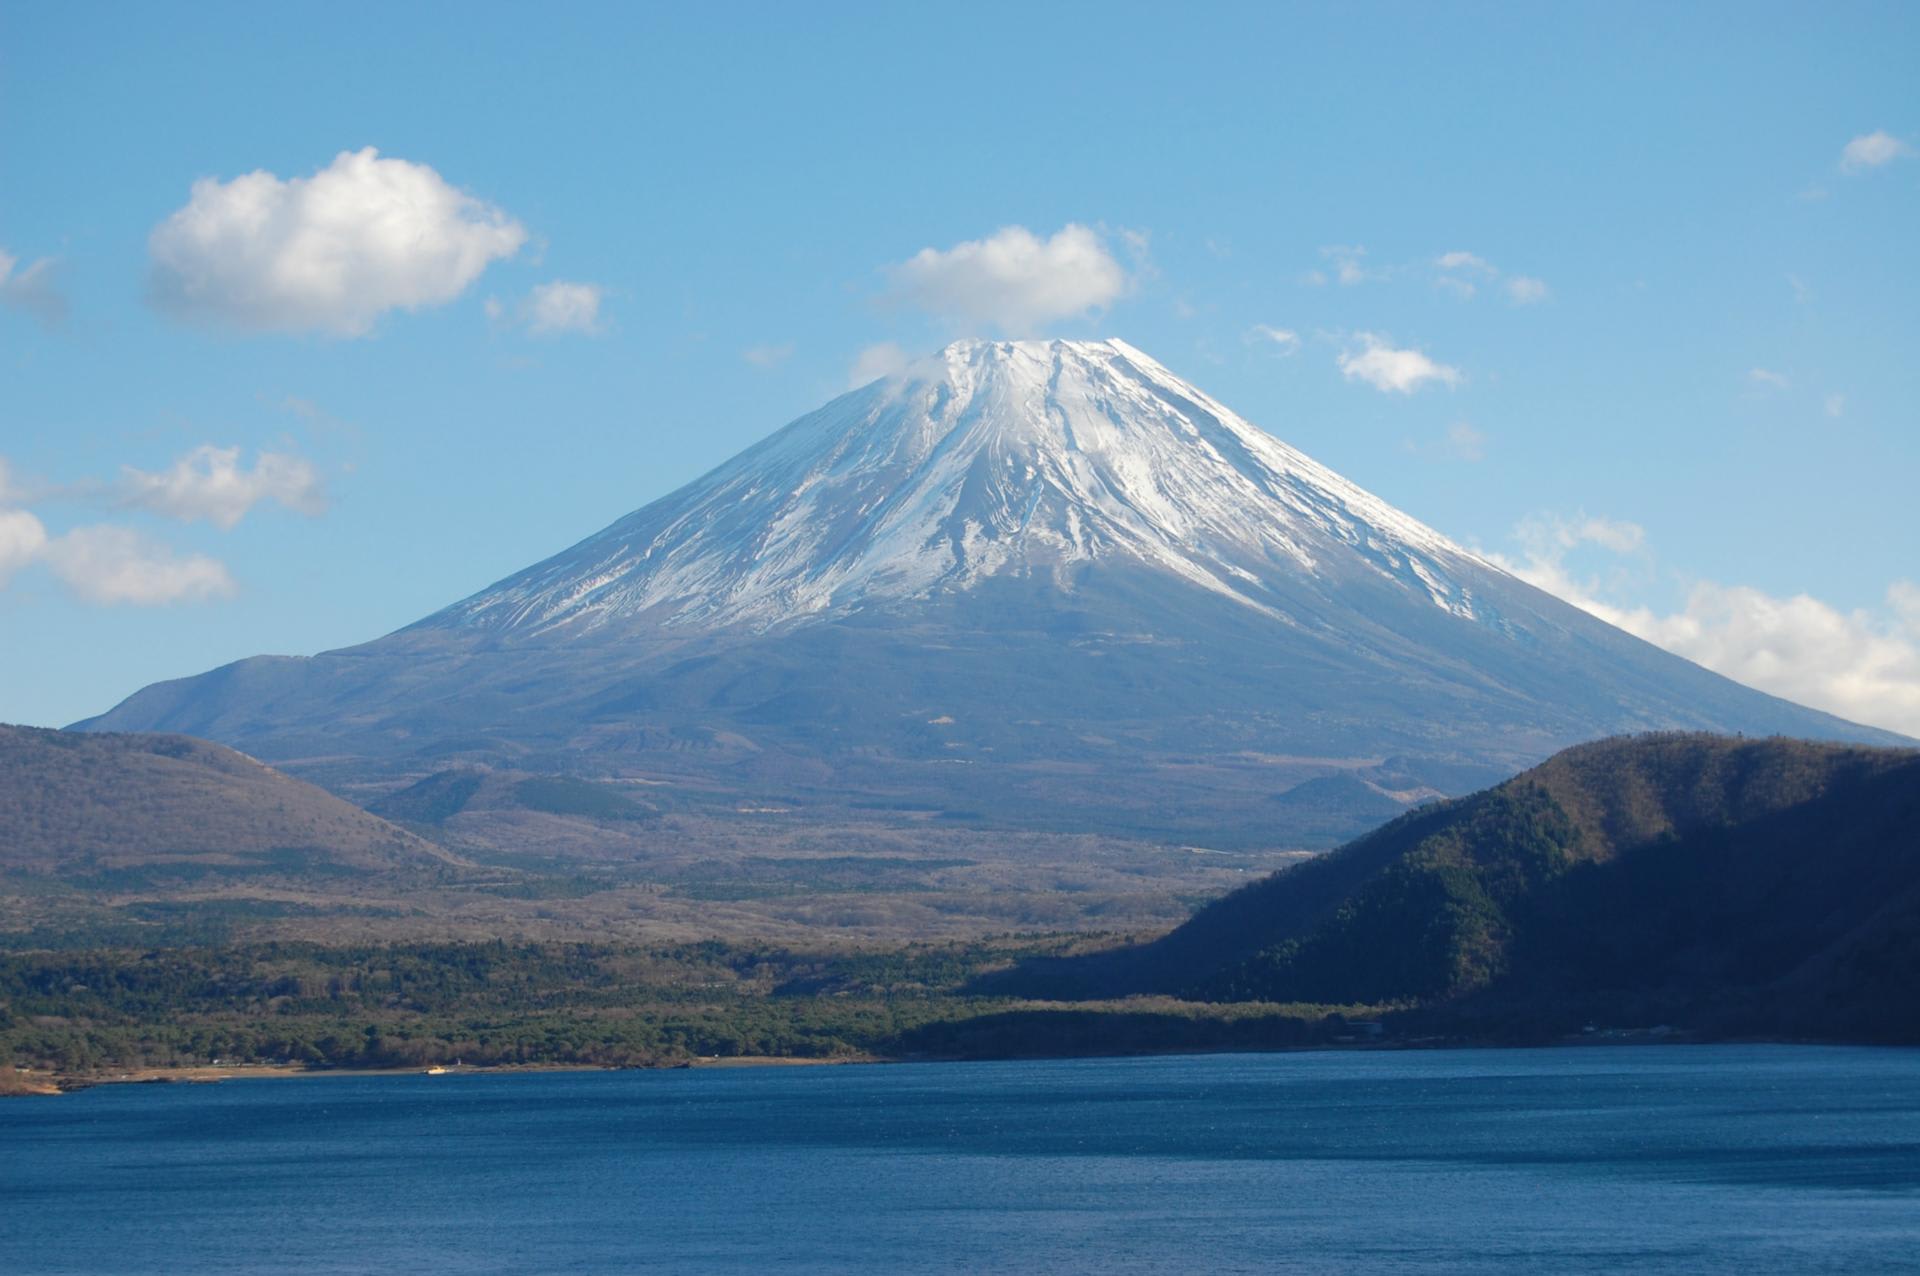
[{"x": 499, "y": 1003}]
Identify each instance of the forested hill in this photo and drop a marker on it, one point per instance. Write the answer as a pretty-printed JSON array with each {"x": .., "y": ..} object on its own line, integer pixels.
[
  {"x": 73, "y": 805},
  {"x": 1739, "y": 885}
]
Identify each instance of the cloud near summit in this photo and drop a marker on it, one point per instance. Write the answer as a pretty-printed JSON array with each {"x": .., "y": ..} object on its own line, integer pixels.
[
  {"x": 328, "y": 253},
  {"x": 1862, "y": 664},
  {"x": 1013, "y": 280}
]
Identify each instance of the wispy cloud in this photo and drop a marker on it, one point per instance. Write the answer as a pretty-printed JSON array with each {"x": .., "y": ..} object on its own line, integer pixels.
[
  {"x": 32, "y": 288},
  {"x": 1348, "y": 262},
  {"x": 328, "y": 253},
  {"x": 1461, "y": 442},
  {"x": 209, "y": 484},
  {"x": 884, "y": 359},
  {"x": 1392, "y": 369},
  {"x": 1525, "y": 290},
  {"x": 1462, "y": 273},
  {"x": 1870, "y": 151},
  {"x": 1014, "y": 280},
  {"x": 1466, "y": 443},
  {"x": 1466, "y": 262},
  {"x": 768, "y": 356},
  {"x": 565, "y": 305},
  {"x": 1284, "y": 342},
  {"x": 1768, "y": 378}
]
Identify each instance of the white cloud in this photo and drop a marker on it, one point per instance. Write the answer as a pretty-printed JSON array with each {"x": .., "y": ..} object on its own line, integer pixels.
[
  {"x": 564, "y": 306},
  {"x": 208, "y": 483},
  {"x": 1461, "y": 270},
  {"x": 1013, "y": 280},
  {"x": 1836, "y": 405},
  {"x": 1525, "y": 290},
  {"x": 876, "y": 361},
  {"x": 768, "y": 356},
  {"x": 327, "y": 253},
  {"x": 32, "y": 289},
  {"x": 22, "y": 538},
  {"x": 1398, "y": 371},
  {"x": 1461, "y": 442},
  {"x": 1863, "y": 665},
  {"x": 1348, "y": 262},
  {"x": 1138, "y": 246},
  {"x": 1545, "y": 539},
  {"x": 1766, "y": 377},
  {"x": 106, "y": 564},
  {"x": 109, "y": 564},
  {"x": 1464, "y": 261},
  {"x": 1904, "y": 597},
  {"x": 1466, "y": 443},
  {"x": 1872, "y": 150},
  {"x": 1285, "y": 341}
]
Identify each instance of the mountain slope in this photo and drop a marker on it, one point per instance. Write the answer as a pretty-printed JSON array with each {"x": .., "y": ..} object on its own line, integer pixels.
[
  {"x": 1028, "y": 585},
  {"x": 1685, "y": 879},
  {"x": 73, "y": 805}
]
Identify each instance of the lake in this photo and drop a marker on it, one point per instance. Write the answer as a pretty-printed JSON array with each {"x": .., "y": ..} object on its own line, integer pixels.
[{"x": 1646, "y": 1158}]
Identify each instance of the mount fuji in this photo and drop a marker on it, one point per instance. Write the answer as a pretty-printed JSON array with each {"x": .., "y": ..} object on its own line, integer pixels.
[{"x": 1039, "y": 586}]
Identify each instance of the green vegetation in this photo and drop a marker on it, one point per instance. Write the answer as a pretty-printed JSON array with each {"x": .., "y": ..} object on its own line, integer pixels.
[
  {"x": 1724, "y": 887},
  {"x": 434, "y": 800},
  {"x": 495, "y": 1003},
  {"x": 1731, "y": 886},
  {"x": 560, "y": 795}
]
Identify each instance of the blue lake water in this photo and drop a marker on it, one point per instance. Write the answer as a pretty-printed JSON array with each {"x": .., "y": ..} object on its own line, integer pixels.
[{"x": 1671, "y": 1158}]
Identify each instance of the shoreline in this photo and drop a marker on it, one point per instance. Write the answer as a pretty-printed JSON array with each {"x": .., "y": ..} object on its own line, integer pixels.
[
  {"x": 38, "y": 1084},
  {"x": 28, "y": 1084}
]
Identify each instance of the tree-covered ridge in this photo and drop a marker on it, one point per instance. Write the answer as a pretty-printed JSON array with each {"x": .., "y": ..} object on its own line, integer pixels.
[{"x": 1666, "y": 876}]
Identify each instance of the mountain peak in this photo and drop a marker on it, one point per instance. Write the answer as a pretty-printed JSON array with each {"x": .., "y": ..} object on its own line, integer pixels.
[
  {"x": 991, "y": 459},
  {"x": 1045, "y": 584}
]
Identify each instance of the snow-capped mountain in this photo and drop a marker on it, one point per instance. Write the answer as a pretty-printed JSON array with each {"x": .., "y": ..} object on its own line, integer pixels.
[
  {"x": 1035, "y": 585},
  {"x": 990, "y": 459}
]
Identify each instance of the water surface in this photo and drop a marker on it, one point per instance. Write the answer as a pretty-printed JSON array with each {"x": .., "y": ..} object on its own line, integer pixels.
[{"x": 1668, "y": 1158}]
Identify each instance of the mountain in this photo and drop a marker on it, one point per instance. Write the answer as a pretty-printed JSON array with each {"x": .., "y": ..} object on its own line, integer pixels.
[
  {"x": 1743, "y": 885},
  {"x": 1024, "y": 588},
  {"x": 113, "y": 808}
]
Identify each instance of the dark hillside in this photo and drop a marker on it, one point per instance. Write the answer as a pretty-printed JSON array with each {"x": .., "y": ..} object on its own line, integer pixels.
[{"x": 1744, "y": 885}]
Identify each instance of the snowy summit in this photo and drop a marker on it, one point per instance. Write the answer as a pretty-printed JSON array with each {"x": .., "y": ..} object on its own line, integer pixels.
[{"x": 991, "y": 458}]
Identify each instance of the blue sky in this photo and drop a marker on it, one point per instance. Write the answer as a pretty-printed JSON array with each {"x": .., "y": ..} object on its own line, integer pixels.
[{"x": 1682, "y": 391}]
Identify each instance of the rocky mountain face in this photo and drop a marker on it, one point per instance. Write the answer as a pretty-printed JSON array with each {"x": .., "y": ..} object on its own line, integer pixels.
[{"x": 1026, "y": 587}]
